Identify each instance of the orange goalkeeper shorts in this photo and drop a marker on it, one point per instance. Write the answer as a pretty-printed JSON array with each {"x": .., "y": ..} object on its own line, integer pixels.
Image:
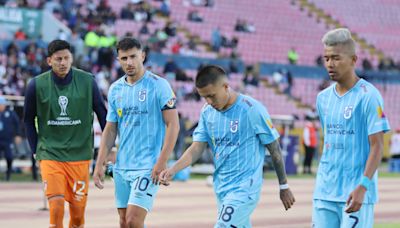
[{"x": 68, "y": 179}]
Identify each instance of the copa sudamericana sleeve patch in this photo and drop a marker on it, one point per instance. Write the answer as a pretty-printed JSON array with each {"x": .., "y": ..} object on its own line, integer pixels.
[{"x": 171, "y": 104}]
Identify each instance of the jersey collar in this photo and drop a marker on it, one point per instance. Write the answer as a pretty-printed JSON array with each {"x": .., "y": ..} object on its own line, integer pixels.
[
  {"x": 137, "y": 82},
  {"x": 351, "y": 89},
  {"x": 62, "y": 81}
]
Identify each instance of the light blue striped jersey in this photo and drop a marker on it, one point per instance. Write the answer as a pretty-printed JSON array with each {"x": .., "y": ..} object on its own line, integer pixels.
[
  {"x": 137, "y": 110},
  {"x": 347, "y": 121},
  {"x": 237, "y": 137}
]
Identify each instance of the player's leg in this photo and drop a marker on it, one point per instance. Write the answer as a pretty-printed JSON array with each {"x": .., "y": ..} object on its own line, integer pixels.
[
  {"x": 234, "y": 213},
  {"x": 363, "y": 218},
  {"x": 77, "y": 216},
  {"x": 307, "y": 160},
  {"x": 325, "y": 214},
  {"x": 56, "y": 211},
  {"x": 312, "y": 152},
  {"x": 122, "y": 191},
  {"x": 122, "y": 216},
  {"x": 9, "y": 160},
  {"x": 135, "y": 216},
  {"x": 76, "y": 193},
  {"x": 2, "y": 154},
  {"x": 54, "y": 184},
  {"x": 141, "y": 198}
]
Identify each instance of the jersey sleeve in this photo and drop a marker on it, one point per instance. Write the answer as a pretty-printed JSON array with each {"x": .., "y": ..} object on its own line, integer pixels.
[
  {"x": 166, "y": 95},
  {"x": 262, "y": 125},
  {"x": 200, "y": 133},
  {"x": 112, "y": 112},
  {"x": 98, "y": 105},
  {"x": 30, "y": 113},
  {"x": 375, "y": 115}
]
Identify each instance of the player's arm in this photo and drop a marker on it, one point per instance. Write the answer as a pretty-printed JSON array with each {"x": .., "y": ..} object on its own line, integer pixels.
[
  {"x": 377, "y": 125},
  {"x": 277, "y": 160},
  {"x": 356, "y": 198},
  {"x": 99, "y": 106},
  {"x": 191, "y": 155},
  {"x": 30, "y": 115},
  {"x": 375, "y": 154},
  {"x": 286, "y": 195},
  {"x": 106, "y": 144},
  {"x": 171, "y": 134}
]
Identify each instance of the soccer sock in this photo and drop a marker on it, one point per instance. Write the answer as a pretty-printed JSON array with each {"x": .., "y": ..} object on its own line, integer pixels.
[
  {"x": 56, "y": 206},
  {"x": 77, "y": 216}
]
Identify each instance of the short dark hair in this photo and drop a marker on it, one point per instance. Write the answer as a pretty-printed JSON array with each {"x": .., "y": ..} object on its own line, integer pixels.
[
  {"x": 127, "y": 43},
  {"x": 57, "y": 45},
  {"x": 209, "y": 74}
]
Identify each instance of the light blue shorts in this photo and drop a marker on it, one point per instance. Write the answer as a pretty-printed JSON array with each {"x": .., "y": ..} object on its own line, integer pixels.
[
  {"x": 327, "y": 214},
  {"x": 134, "y": 188},
  {"x": 235, "y": 212}
]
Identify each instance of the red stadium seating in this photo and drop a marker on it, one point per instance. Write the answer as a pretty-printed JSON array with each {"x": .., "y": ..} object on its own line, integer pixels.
[{"x": 373, "y": 20}]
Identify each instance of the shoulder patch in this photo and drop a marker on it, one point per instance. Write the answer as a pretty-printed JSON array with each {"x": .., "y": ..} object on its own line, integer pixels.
[
  {"x": 381, "y": 114},
  {"x": 171, "y": 103}
]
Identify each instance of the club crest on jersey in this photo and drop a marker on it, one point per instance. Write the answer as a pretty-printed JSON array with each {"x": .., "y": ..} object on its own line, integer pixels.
[
  {"x": 142, "y": 95},
  {"x": 347, "y": 112},
  {"x": 234, "y": 125}
]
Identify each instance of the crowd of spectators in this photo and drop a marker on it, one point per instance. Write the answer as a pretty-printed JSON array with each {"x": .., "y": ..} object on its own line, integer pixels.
[
  {"x": 243, "y": 25},
  {"x": 93, "y": 38}
]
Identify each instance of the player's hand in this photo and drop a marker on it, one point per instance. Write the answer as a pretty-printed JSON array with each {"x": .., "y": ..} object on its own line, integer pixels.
[
  {"x": 287, "y": 198},
  {"x": 355, "y": 200},
  {"x": 166, "y": 176},
  {"x": 98, "y": 176},
  {"x": 157, "y": 169}
]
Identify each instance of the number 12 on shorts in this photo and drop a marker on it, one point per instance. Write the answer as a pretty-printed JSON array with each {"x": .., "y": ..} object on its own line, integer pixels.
[{"x": 79, "y": 191}]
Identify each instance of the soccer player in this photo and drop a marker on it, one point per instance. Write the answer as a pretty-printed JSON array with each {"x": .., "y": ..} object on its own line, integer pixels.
[
  {"x": 62, "y": 101},
  {"x": 142, "y": 112},
  {"x": 237, "y": 128},
  {"x": 353, "y": 122},
  {"x": 9, "y": 134},
  {"x": 310, "y": 140}
]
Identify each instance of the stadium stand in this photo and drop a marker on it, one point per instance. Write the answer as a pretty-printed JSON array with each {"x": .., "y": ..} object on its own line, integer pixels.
[
  {"x": 374, "y": 20},
  {"x": 279, "y": 26}
]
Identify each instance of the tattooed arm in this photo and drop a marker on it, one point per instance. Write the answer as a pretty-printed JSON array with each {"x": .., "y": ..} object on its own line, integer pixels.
[
  {"x": 286, "y": 195},
  {"x": 279, "y": 165}
]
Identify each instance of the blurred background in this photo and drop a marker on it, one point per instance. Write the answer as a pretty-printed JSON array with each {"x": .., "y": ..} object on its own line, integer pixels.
[{"x": 271, "y": 49}]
